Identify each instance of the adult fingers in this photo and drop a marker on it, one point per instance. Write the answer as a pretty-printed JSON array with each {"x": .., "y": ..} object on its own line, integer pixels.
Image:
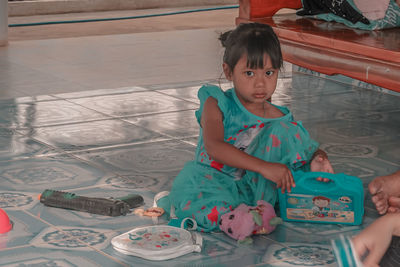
[
  {"x": 382, "y": 209},
  {"x": 379, "y": 197},
  {"x": 381, "y": 205},
  {"x": 393, "y": 210},
  {"x": 381, "y": 202},
  {"x": 394, "y": 202}
]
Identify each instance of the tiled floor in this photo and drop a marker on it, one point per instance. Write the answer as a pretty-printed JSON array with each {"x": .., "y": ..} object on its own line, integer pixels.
[{"x": 69, "y": 126}]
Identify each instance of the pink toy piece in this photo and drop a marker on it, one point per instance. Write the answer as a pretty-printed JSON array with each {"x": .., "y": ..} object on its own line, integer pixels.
[
  {"x": 245, "y": 220},
  {"x": 5, "y": 224}
]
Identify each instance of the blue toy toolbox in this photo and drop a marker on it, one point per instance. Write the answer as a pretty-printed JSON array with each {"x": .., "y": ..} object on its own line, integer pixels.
[{"x": 340, "y": 200}]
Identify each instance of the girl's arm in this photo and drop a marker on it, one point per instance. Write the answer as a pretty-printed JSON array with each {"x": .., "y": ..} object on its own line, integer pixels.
[{"x": 223, "y": 152}]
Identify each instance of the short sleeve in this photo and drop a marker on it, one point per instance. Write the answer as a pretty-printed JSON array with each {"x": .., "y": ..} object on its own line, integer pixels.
[{"x": 216, "y": 92}]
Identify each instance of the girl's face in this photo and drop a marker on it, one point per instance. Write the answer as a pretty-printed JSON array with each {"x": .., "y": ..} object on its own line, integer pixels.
[{"x": 252, "y": 86}]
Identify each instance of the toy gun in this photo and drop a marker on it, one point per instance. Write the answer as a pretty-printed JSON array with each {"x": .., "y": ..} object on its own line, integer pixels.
[{"x": 102, "y": 206}]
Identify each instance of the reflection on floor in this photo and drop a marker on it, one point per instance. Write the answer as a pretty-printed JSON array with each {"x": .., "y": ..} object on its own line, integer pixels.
[{"x": 109, "y": 143}]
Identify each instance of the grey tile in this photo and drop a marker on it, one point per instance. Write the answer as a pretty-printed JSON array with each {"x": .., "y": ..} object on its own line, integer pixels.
[
  {"x": 187, "y": 93},
  {"x": 300, "y": 254},
  {"x": 26, "y": 99},
  {"x": 56, "y": 172},
  {"x": 95, "y": 134},
  {"x": 136, "y": 103},
  {"x": 44, "y": 113},
  {"x": 14, "y": 145},
  {"x": 153, "y": 181},
  {"x": 163, "y": 156},
  {"x": 24, "y": 228},
  {"x": 56, "y": 256},
  {"x": 173, "y": 124},
  {"x": 100, "y": 92}
]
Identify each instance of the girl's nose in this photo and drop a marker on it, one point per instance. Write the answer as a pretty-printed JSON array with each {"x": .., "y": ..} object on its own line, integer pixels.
[{"x": 260, "y": 81}]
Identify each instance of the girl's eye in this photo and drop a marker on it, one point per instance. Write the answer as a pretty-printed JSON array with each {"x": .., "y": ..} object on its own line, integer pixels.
[
  {"x": 249, "y": 73},
  {"x": 269, "y": 72}
]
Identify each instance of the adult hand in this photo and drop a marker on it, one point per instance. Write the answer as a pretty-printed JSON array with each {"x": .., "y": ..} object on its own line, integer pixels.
[{"x": 375, "y": 240}]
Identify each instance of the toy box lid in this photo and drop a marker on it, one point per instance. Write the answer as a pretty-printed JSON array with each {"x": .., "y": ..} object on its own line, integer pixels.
[{"x": 159, "y": 242}]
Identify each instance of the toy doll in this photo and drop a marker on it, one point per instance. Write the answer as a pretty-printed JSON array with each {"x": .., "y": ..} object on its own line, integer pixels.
[{"x": 245, "y": 221}]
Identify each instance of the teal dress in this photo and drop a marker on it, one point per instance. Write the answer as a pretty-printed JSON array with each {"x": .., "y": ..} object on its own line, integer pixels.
[{"x": 205, "y": 189}]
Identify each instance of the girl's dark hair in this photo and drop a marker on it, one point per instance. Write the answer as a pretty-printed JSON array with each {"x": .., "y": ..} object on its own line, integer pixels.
[{"x": 255, "y": 40}]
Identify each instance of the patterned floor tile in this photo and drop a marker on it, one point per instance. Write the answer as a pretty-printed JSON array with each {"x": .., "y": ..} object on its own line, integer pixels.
[
  {"x": 363, "y": 167},
  {"x": 164, "y": 156},
  {"x": 304, "y": 85},
  {"x": 72, "y": 238},
  {"x": 18, "y": 200},
  {"x": 174, "y": 124},
  {"x": 300, "y": 254},
  {"x": 136, "y": 103},
  {"x": 309, "y": 233},
  {"x": 26, "y": 99},
  {"x": 38, "y": 256},
  {"x": 100, "y": 92},
  {"x": 69, "y": 142},
  {"x": 45, "y": 113},
  {"x": 154, "y": 181},
  {"x": 187, "y": 93},
  {"x": 57, "y": 172},
  {"x": 25, "y": 227},
  {"x": 95, "y": 134},
  {"x": 14, "y": 145}
]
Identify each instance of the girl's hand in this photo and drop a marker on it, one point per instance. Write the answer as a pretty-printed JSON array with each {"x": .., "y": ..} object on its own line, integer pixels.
[{"x": 279, "y": 174}]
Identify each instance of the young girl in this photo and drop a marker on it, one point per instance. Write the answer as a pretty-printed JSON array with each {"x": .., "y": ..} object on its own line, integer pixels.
[{"x": 247, "y": 146}]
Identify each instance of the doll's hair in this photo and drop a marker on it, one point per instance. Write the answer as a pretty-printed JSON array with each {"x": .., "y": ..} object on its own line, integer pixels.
[{"x": 254, "y": 40}]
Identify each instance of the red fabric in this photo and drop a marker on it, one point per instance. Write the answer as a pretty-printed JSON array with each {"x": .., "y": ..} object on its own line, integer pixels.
[{"x": 263, "y": 8}]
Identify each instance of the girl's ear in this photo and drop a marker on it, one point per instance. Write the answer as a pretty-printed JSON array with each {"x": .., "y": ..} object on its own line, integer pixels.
[{"x": 227, "y": 71}]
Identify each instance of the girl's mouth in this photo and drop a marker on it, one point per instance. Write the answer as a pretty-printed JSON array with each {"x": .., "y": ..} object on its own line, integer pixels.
[{"x": 259, "y": 95}]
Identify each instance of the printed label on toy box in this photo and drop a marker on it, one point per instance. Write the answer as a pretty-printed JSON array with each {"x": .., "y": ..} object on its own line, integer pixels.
[{"x": 320, "y": 208}]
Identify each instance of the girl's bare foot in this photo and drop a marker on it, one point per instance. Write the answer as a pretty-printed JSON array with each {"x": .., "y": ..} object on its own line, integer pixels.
[
  {"x": 385, "y": 191},
  {"x": 321, "y": 164}
]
